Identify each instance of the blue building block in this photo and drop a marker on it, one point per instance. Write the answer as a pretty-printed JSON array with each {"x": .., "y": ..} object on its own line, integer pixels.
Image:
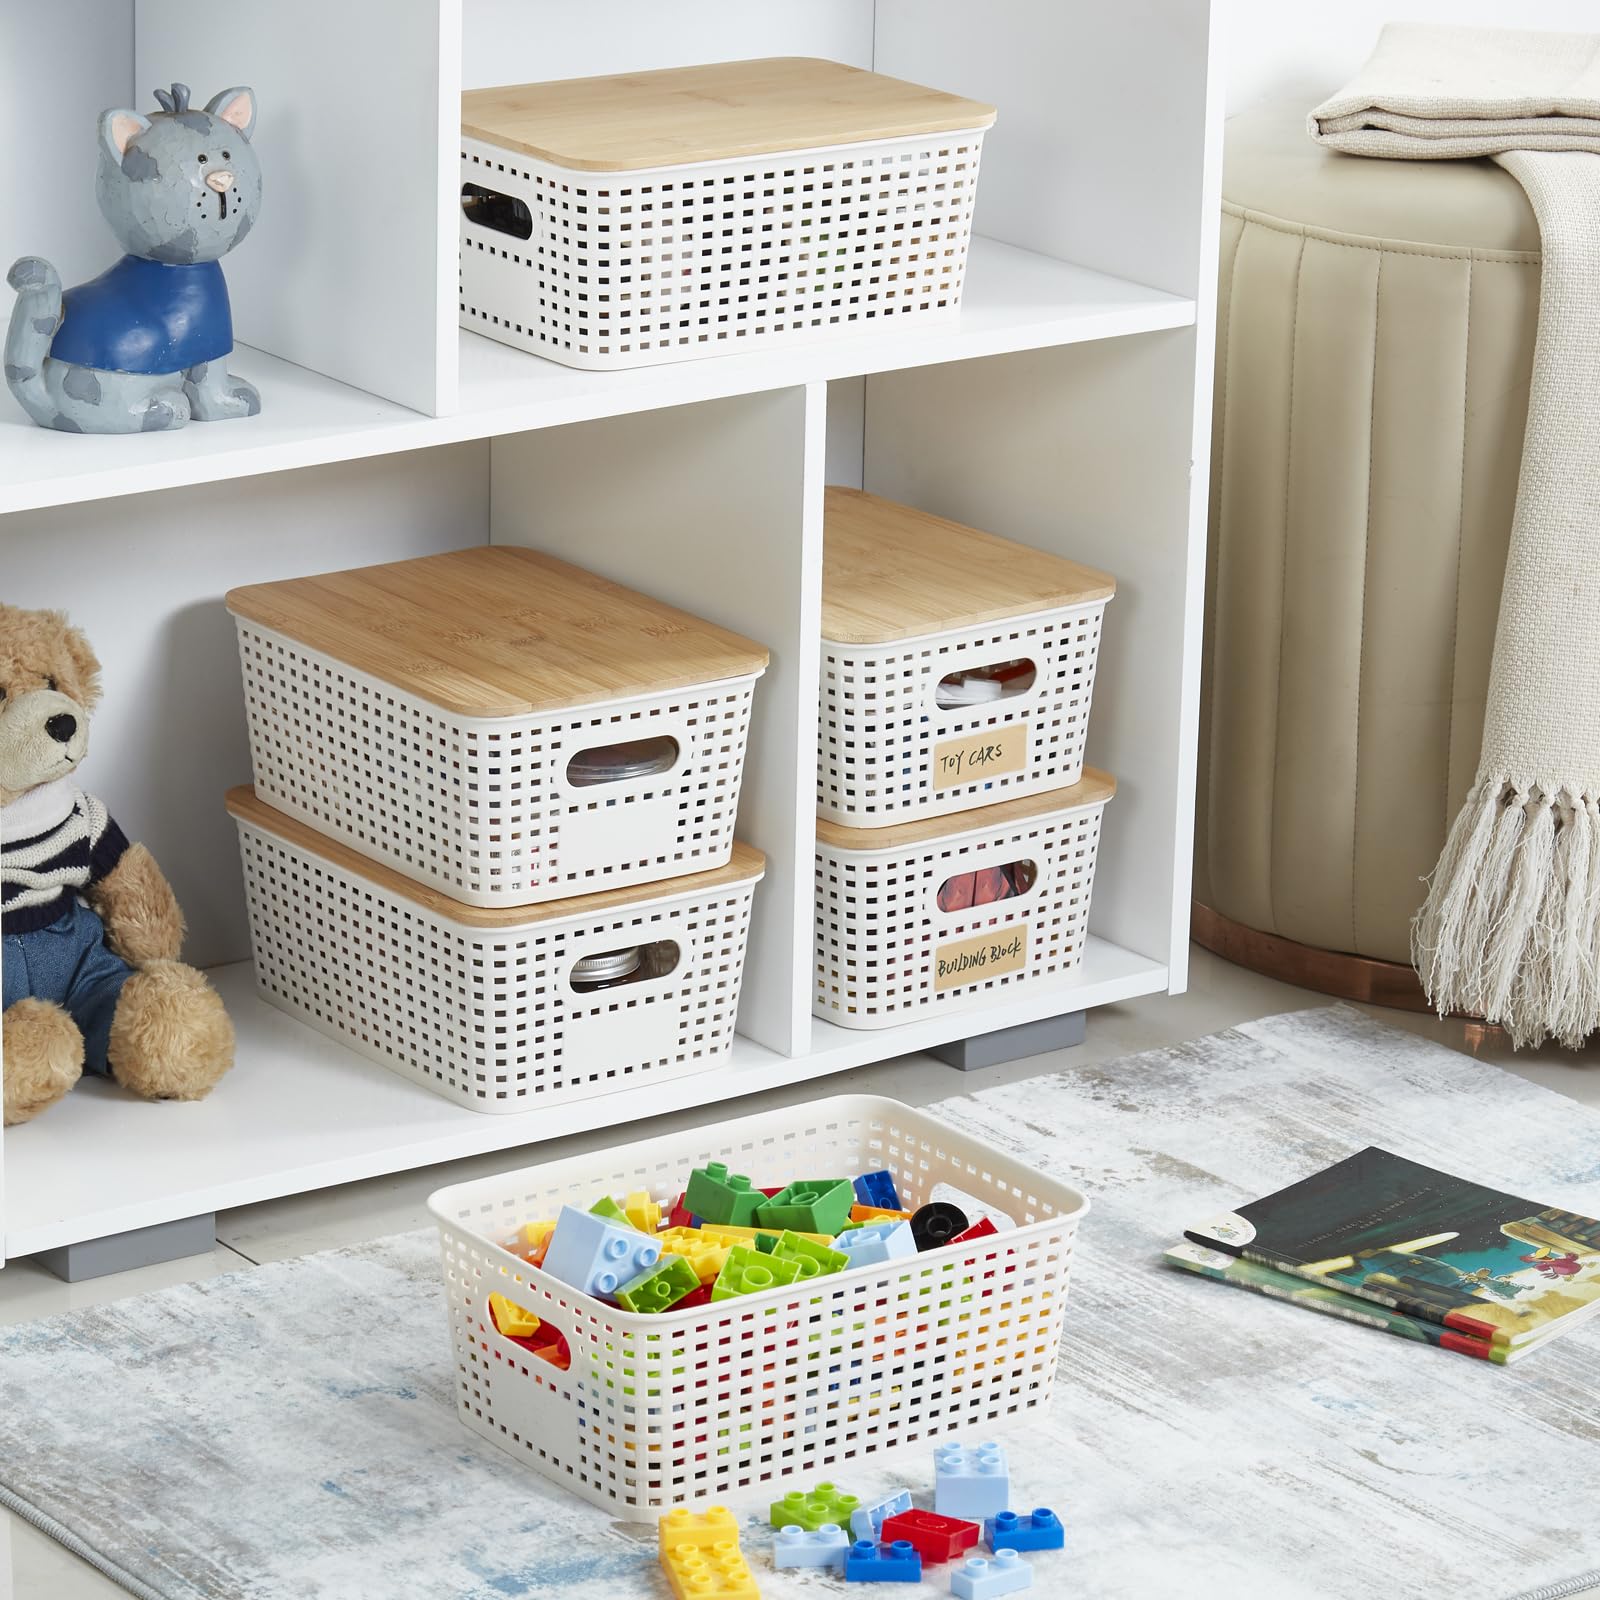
[
  {"x": 595, "y": 1255},
  {"x": 978, "y": 1579},
  {"x": 971, "y": 1484},
  {"x": 869, "y": 1562},
  {"x": 866, "y": 1522},
  {"x": 877, "y": 1189},
  {"x": 875, "y": 1242},
  {"x": 1041, "y": 1530},
  {"x": 794, "y": 1547}
]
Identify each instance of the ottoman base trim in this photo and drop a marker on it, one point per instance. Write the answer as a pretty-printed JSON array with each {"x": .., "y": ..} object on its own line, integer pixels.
[{"x": 1333, "y": 972}]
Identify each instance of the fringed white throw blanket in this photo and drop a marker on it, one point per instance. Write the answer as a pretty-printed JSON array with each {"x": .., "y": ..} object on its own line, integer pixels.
[{"x": 1509, "y": 929}]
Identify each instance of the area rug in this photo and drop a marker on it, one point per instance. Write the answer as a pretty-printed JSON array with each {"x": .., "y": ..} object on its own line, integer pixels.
[{"x": 289, "y": 1432}]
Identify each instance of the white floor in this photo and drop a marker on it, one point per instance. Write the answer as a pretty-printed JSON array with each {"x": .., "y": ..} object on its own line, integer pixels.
[{"x": 33, "y": 1567}]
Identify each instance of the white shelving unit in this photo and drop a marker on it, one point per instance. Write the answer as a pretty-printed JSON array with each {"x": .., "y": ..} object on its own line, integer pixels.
[{"x": 1068, "y": 408}]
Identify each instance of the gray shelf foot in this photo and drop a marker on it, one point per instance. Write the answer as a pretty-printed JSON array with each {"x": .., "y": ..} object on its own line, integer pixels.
[
  {"x": 1015, "y": 1044},
  {"x": 140, "y": 1247}
]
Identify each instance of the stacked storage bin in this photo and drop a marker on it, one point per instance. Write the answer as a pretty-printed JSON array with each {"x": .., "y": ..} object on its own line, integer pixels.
[
  {"x": 490, "y": 840},
  {"x": 957, "y": 822}
]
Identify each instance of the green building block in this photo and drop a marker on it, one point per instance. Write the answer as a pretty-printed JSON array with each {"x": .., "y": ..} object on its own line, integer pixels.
[
  {"x": 717, "y": 1195},
  {"x": 815, "y": 1259},
  {"x": 660, "y": 1287},
  {"x": 766, "y": 1243},
  {"x": 608, "y": 1208},
  {"x": 824, "y": 1504},
  {"x": 818, "y": 1205},
  {"x": 747, "y": 1271}
]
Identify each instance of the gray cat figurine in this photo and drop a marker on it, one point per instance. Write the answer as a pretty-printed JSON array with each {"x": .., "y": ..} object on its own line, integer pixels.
[{"x": 145, "y": 345}]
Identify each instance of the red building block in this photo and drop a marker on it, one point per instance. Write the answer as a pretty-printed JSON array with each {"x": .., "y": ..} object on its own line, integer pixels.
[
  {"x": 680, "y": 1216},
  {"x": 981, "y": 1229},
  {"x": 699, "y": 1297},
  {"x": 933, "y": 1537}
]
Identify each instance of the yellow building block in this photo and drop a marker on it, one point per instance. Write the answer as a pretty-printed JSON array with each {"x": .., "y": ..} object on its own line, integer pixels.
[
  {"x": 708, "y": 1572},
  {"x": 736, "y": 1235},
  {"x": 643, "y": 1212},
  {"x": 705, "y": 1255},
  {"x": 876, "y": 1214},
  {"x": 533, "y": 1238},
  {"x": 515, "y": 1321},
  {"x": 681, "y": 1526}
]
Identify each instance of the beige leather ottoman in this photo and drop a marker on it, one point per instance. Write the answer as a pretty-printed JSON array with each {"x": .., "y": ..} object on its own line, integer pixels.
[{"x": 1374, "y": 340}]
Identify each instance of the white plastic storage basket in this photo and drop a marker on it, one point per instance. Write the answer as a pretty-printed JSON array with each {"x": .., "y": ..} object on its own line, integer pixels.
[
  {"x": 499, "y": 1010},
  {"x": 887, "y": 952},
  {"x": 957, "y": 667},
  {"x": 655, "y": 1411},
  {"x": 497, "y": 724},
  {"x": 660, "y": 216}
]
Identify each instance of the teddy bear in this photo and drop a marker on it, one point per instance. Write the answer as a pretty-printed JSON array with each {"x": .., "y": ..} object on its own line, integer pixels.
[{"x": 89, "y": 925}]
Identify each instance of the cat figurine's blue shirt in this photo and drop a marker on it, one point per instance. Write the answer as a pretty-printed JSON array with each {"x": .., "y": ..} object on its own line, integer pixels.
[{"x": 146, "y": 316}]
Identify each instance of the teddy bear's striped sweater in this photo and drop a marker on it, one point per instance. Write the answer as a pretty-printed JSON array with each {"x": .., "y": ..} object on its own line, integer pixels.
[{"x": 54, "y": 842}]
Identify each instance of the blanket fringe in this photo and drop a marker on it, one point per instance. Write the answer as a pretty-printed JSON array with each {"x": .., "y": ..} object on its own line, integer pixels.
[{"x": 1508, "y": 931}]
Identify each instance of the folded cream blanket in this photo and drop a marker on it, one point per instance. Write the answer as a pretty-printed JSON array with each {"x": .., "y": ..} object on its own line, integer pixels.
[{"x": 1510, "y": 929}]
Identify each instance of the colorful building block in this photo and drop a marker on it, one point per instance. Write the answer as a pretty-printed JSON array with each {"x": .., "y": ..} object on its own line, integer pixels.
[
  {"x": 1040, "y": 1530},
  {"x": 705, "y": 1255},
  {"x": 816, "y": 1205},
  {"x": 717, "y": 1195},
  {"x": 877, "y": 1189},
  {"x": 701, "y": 1297},
  {"x": 533, "y": 1238},
  {"x": 708, "y": 1572},
  {"x": 981, "y": 1229},
  {"x": 971, "y": 1484},
  {"x": 515, "y": 1321},
  {"x": 937, "y": 1223},
  {"x": 933, "y": 1537},
  {"x": 877, "y": 1214},
  {"x": 815, "y": 1259},
  {"x": 595, "y": 1255},
  {"x": 873, "y": 1242},
  {"x": 747, "y": 1271},
  {"x": 659, "y": 1288},
  {"x": 866, "y": 1562},
  {"x": 680, "y": 1215},
  {"x": 732, "y": 1235},
  {"x": 681, "y": 1526},
  {"x": 822, "y": 1547},
  {"x": 867, "y": 1521},
  {"x": 824, "y": 1504},
  {"x": 978, "y": 1579},
  {"x": 642, "y": 1211},
  {"x": 608, "y": 1208}
]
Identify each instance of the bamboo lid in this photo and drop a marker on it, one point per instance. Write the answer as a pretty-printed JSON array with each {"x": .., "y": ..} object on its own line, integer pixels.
[
  {"x": 747, "y": 865},
  {"x": 498, "y": 631},
  {"x": 717, "y": 112},
  {"x": 889, "y": 572},
  {"x": 1093, "y": 789}
]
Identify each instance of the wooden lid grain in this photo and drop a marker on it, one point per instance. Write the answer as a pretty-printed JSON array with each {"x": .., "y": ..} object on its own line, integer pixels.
[
  {"x": 889, "y": 572},
  {"x": 498, "y": 631},
  {"x": 718, "y": 112}
]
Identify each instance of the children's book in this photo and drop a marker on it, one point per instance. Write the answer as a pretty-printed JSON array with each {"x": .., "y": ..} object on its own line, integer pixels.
[
  {"x": 1258, "y": 1279},
  {"x": 1475, "y": 1260}
]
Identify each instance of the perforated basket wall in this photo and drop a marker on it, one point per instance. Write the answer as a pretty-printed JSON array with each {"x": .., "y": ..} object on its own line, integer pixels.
[
  {"x": 689, "y": 1405},
  {"x": 629, "y": 269},
  {"x": 486, "y": 1017},
  {"x": 886, "y": 753},
  {"x": 480, "y": 808},
  {"x": 886, "y": 953}
]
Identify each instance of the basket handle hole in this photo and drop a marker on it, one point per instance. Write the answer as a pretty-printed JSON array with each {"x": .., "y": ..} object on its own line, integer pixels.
[
  {"x": 985, "y": 885},
  {"x": 979, "y": 686},
  {"x": 618, "y": 763},
  {"x": 537, "y": 1335},
  {"x": 614, "y": 969},
  {"x": 504, "y": 213}
]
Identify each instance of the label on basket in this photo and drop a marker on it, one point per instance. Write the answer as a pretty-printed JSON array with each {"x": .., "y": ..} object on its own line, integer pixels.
[
  {"x": 985, "y": 754},
  {"x": 984, "y": 955}
]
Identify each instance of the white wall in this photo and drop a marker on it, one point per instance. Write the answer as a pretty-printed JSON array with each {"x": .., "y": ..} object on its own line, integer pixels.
[{"x": 1278, "y": 50}]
